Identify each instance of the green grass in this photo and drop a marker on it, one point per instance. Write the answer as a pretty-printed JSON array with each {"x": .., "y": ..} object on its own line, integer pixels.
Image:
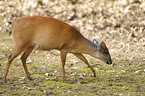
[
  {"x": 125, "y": 78},
  {"x": 120, "y": 24}
]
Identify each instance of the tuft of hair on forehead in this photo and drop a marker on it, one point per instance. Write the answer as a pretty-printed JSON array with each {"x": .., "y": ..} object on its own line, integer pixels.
[{"x": 103, "y": 45}]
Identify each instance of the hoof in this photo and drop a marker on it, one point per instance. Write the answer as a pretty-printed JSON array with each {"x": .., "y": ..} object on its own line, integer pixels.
[
  {"x": 94, "y": 74},
  {"x": 5, "y": 81},
  {"x": 30, "y": 78},
  {"x": 64, "y": 79}
]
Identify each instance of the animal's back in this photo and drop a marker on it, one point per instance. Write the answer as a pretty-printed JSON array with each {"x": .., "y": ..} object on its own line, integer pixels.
[{"x": 45, "y": 32}]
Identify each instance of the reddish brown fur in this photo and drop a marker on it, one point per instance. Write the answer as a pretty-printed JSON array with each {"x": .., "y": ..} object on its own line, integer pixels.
[{"x": 48, "y": 33}]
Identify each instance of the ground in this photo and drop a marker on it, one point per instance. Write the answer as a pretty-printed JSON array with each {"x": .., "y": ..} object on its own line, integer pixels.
[{"x": 119, "y": 23}]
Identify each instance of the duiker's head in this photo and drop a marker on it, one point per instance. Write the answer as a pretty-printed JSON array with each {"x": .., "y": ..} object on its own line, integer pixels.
[{"x": 102, "y": 52}]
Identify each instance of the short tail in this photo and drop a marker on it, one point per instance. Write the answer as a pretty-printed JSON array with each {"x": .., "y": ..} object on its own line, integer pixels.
[
  {"x": 10, "y": 32},
  {"x": 13, "y": 23}
]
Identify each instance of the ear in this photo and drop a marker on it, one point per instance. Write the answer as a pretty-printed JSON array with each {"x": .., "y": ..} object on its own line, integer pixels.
[
  {"x": 99, "y": 46},
  {"x": 95, "y": 42}
]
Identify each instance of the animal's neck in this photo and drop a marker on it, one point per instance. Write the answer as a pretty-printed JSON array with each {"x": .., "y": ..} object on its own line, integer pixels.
[
  {"x": 88, "y": 47},
  {"x": 85, "y": 46}
]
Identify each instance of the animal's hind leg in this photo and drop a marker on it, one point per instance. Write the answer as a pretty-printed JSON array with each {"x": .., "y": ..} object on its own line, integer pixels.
[
  {"x": 24, "y": 58},
  {"x": 15, "y": 53}
]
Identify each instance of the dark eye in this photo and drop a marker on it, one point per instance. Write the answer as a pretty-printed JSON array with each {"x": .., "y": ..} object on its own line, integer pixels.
[{"x": 106, "y": 53}]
